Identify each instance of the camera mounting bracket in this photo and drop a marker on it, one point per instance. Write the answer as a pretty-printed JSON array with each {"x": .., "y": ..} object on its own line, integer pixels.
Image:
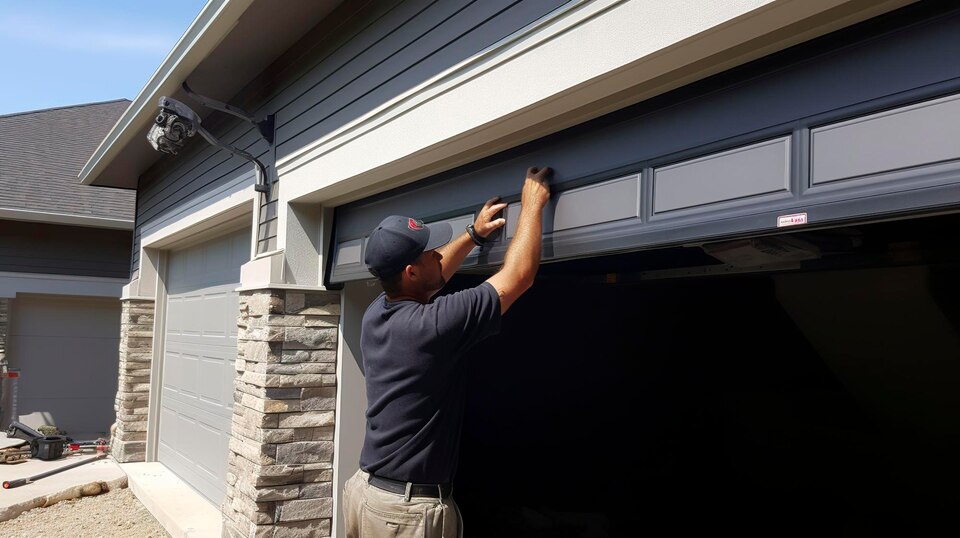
[
  {"x": 177, "y": 122},
  {"x": 265, "y": 126}
]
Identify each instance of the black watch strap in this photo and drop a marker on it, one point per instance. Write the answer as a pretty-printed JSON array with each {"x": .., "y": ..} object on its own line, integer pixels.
[{"x": 477, "y": 240}]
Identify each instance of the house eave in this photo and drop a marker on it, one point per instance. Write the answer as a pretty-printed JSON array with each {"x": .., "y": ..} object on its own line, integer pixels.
[
  {"x": 213, "y": 23},
  {"x": 66, "y": 219},
  {"x": 230, "y": 44}
]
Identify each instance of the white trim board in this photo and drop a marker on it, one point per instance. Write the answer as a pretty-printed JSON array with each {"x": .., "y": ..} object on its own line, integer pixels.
[
  {"x": 13, "y": 283},
  {"x": 206, "y": 213},
  {"x": 65, "y": 218}
]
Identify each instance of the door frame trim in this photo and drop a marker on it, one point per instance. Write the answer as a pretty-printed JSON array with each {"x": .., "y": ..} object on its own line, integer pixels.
[{"x": 158, "y": 348}]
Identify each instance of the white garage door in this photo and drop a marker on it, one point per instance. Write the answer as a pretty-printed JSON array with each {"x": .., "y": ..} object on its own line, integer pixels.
[
  {"x": 199, "y": 354},
  {"x": 66, "y": 349}
]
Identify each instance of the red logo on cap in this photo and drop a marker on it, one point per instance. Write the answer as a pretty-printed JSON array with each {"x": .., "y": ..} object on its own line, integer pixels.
[{"x": 414, "y": 225}]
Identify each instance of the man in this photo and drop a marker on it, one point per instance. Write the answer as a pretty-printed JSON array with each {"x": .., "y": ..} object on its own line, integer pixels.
[{"x": 413, "y": 353}]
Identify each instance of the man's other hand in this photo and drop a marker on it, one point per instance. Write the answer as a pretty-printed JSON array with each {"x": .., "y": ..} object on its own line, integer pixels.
[{"x": 485, "y": 223}]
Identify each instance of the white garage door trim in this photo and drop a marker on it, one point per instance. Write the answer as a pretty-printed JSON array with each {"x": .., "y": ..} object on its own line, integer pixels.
[
  {"x": 84, "y": 286},
  {"x": 198, "y": 348}
]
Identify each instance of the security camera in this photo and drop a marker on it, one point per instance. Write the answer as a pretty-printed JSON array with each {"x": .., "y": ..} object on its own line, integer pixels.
[
  {"x": 176, "y": 122},
  {"x": 173, "y": 125}
]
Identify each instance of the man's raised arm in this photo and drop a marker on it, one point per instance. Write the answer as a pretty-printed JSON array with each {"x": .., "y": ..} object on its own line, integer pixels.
[{"x": 523, "y": 256}]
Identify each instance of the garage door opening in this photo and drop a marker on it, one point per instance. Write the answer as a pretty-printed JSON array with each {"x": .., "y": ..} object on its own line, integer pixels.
[{"x": 786, "y": 385}]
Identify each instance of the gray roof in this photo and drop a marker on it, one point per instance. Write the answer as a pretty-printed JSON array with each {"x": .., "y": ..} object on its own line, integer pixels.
[{"x": 42, "y": 152}]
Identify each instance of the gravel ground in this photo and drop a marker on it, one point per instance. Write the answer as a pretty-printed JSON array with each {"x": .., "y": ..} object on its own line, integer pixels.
[{"x": 116, "y": 513}]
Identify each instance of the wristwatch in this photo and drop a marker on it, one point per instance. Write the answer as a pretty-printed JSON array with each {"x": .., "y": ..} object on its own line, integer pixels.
[{"x": 477, "y": 240}]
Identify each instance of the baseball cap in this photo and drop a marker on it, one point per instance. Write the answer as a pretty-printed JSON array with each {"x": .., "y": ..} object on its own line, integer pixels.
[{"x": 397, "y": 242}]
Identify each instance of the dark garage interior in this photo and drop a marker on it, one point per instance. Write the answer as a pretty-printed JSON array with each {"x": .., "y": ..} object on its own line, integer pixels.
[{"x": 784, "y": 385}]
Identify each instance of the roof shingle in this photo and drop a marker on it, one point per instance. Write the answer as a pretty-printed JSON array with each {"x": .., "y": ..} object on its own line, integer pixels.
[{"x": 41, "y": 153}]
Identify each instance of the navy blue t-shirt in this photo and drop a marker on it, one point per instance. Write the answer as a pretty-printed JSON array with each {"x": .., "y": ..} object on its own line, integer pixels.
[{"x": 416, "y": 382}]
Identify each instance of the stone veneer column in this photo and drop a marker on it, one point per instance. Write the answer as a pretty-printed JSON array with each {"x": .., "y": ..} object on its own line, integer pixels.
[
  {"x": 280, "y": 468},
  {"x": 129, "y": 440}
]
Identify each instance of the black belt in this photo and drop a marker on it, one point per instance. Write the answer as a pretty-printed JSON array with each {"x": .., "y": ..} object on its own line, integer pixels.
[{"x": 416, "y": 490}]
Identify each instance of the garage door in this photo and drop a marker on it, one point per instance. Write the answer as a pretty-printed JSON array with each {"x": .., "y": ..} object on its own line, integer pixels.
[
  {"x": 199, "y": 354},
  {"x": 891, "y": 162},
  {"x": 66, "y": 349}
]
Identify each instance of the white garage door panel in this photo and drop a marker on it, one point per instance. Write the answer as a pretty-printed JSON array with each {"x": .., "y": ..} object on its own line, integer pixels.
[
  {"x": 186, "y": 449},
  {"x": 200, "y": 351},
  {"x": 56, "y": 341},
  {"x": 201, "y": 376},
  {"x": 195, "y": 318}
]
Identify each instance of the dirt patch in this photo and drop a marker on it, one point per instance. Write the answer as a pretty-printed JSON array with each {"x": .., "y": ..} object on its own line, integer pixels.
[{"x": 116, "y": 513}]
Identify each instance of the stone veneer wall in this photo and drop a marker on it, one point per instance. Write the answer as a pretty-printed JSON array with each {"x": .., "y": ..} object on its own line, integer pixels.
[
  {"x": 129, "y": 440},
  {"x": 280, "y": 468}
]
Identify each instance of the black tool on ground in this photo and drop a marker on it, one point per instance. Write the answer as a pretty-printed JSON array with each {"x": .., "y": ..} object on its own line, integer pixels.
[
  {"x": 10, "y": 484},
  {"x": 49, "y": 447},
  {"x": 20, "y": 430}
]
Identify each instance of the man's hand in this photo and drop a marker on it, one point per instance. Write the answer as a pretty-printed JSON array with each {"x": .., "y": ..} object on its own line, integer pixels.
[
  {"x": 536, "y": 191},
  {"x": 484, "y": 226}
]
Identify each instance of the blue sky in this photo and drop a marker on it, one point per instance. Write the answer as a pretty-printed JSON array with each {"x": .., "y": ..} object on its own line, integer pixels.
[{"x": 60, "y": 52}]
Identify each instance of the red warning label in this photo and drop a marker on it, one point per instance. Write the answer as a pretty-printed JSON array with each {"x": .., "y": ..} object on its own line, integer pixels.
[{"x": 791, "y": 220}]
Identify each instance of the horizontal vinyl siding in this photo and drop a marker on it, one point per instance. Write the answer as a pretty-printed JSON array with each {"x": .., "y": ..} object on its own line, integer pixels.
[
  {"x": 374, "y": 54},
  {"x": 406, "y": 46},
  {"x": 29, "y": 247}
]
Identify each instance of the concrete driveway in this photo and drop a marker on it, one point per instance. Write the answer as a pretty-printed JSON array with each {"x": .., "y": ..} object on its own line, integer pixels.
[{"x": 90, "y": 479}]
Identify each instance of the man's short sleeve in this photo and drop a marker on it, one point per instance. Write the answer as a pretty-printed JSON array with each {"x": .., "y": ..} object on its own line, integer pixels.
[{"x": 467, "y": 317}]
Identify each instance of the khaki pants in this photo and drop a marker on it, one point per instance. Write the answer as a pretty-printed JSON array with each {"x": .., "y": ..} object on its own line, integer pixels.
[{"x": 370, "y": 512}]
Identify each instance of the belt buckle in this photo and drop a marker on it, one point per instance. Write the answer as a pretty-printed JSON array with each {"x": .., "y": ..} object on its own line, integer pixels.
[{"x": 407, "y": 488}]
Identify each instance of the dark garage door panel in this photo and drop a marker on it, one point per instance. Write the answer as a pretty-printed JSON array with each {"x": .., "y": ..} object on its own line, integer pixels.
[
  {"x": 608, "y": 201},
  {"x": 896, "y": 139},
  {"x": 739, "y": 173}
]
